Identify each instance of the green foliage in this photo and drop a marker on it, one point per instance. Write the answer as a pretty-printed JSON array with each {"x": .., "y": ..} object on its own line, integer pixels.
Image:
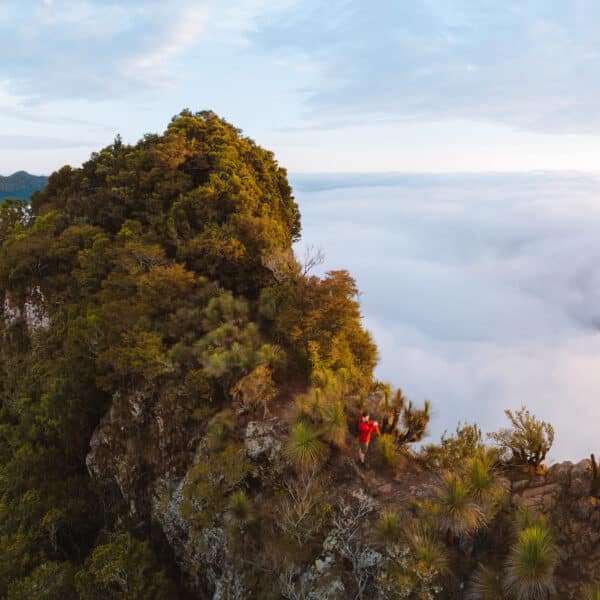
[
  {"x": 459, "y": 514},
  {"x": 485, "y": 584},
  {"x": 487, "y": 487},
  {"x": 49, "y": 581},
  {"x": 240, "y": 507},
  {"x": 164, "y": 266},
  {"x": 426, "y": 547},
  {"x": 256, "y": 389},
  {"x": 304, "y": 448},
  {"x": 453, "y": 450},
  {"x": 320, "y": 321},
  {"x": 404, "y": 577},
  {"x": 323, "y": 407},
  {"x": 388, "y": 526},
  {"x": 528, "y": 441},
  {"x": 387, "y": 450},
  {"x": 530, "y": 565},
  {"x": 125, "y": 569},
  {"x": 211, "y": 481},
  {"x": 303, "y": 510}
]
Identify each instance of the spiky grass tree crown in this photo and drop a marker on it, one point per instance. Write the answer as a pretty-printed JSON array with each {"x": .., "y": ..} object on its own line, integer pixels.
[
  {"x": 305, "y": 449},
  {"x": 485, "y": 584},
  {"x": 485, "y": 483},
  {"x": 459, "y": 514},
  {"x": 530, "y": 566}
]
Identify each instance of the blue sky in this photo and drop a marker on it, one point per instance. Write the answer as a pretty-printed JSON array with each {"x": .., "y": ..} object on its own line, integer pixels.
[{"x": 336, "y": 86}]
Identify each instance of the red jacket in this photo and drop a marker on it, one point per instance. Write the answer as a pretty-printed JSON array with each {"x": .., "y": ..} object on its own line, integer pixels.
[{"x": 366, "y": 429}]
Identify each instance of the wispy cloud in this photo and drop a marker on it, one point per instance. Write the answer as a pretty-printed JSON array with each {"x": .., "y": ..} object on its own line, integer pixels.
[{"x": 533, "y": 66}]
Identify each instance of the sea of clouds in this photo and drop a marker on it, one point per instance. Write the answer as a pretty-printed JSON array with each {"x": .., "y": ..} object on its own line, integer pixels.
[{"x": 481, "y": 291}]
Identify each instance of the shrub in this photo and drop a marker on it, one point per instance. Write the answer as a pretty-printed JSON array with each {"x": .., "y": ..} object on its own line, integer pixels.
[
  {"x": 530, "y": 566},
  {"x": 305, "y": 449},
  {"x": 240, "y": 507},
  {"x": 387, "y": 450},
  {"x": 426, "y": 547},
  {"x": 453, "y": 450},
  {"x": 388, "y": 526},
  {"x": 256, "y": 389},
  {"x": 487, "y": 487},
  {"x": 485, "y": 584},
  {"x": 123, "y": 568},
  {"x": 459, "y": 514},
  {"x": 335, "y": 426},
  {"x": 528, "y": 441}
]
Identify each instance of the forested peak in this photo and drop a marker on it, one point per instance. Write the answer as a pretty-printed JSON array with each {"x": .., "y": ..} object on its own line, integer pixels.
[{"x": 208, "y": 195}]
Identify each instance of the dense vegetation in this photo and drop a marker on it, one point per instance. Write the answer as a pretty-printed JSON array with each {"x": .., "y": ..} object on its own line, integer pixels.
[
  {"x": 164, "y": 271},
  {"x": 20, "y": 185}
]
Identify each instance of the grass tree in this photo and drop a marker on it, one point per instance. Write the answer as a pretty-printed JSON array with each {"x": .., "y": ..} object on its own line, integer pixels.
[
  {"x": 426, "y": 547},
  {"x": 486, "y": 485},
  {"x": 529, "y": 573},
  {"x": 459, "y": 515},
  {"x": 388, "y": 526},
  {"x": 304, "y": 448},
  {"x": 485, "y": 584}
]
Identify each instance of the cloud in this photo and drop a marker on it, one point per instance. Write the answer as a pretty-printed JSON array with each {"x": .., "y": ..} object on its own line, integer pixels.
[
  {"x": 481, "y": 290},
  {"x": 95, "y": 50},
  {"x": 533, "y": 66},
  {"x": 37, "y": 142}
]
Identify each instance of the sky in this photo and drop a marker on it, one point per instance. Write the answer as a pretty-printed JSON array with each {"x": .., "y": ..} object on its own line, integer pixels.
[
  {"x": 445, "y": 152},
  {"x": 336, "y": 86},
  {"x": 480, "y": 290}
]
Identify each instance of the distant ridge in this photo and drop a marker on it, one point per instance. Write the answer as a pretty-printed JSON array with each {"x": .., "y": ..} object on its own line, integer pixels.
[{"x": 21, "y": 185}]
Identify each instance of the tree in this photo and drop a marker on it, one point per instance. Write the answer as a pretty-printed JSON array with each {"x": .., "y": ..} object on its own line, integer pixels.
[
  {"x": 124, "y": 569},
  {"x": 527, "y": 442}
]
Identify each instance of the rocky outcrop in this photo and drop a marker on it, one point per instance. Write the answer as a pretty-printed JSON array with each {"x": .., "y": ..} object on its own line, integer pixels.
[
  {"x": 564, "y": 495},
  {"x": 32, "y": 309}
]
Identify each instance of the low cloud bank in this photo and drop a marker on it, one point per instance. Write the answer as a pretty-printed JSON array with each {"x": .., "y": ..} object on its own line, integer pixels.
[{"x": 482, "y": 291}]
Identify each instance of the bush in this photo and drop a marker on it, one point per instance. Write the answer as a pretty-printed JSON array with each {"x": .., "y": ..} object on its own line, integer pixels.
[
  {"x": 388, "y": 526},
  {"x": 485, "y": 584},
  {"x": 486, "y": 485},
  {"x": 527, "y": 442},
  {"x": 387, "y": 450},
  {"x": 530, "y": 566},
  {"x": 125, "y": 568},
  {"x": 453, "y": 450},
  {"x": 459, "y": 515},
  {"x": 305, "y": 449},
  {"x": 256, "y": 389}
]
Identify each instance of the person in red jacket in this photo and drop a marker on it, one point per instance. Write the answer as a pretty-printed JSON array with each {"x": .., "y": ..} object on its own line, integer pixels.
[{"x": 365, "y": 428}]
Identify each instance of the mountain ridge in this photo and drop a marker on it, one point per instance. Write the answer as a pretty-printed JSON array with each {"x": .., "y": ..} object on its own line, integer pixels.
[{"x": 21, "y": 185}]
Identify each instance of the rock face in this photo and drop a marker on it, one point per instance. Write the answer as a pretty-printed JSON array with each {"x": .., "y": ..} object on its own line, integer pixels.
[
  {"x": 32, "y": 310},
  {"x": 148, "y": 443},
  {"x": 260, "y": 441},
  {"x": 563, "y": 494}
]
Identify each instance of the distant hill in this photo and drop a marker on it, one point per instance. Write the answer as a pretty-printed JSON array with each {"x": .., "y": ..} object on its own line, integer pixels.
[{"x": 21, "y": 185}]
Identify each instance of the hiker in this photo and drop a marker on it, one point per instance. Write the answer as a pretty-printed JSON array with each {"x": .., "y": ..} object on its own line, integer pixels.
[{"x": 365, "y": 428}]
